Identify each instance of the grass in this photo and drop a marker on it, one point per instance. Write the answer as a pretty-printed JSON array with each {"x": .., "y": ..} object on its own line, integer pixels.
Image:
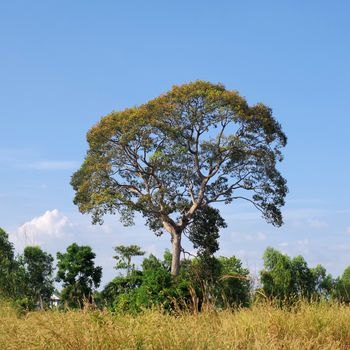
[{"x": 307, "y": 326}]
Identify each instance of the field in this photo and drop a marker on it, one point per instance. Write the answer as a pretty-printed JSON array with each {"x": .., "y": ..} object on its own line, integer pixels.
[{"x": 307, "y": 326}]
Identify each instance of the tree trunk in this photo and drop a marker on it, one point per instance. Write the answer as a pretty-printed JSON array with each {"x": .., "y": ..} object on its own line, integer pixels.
[
  {"x": 175, "y": 262},
  {"x": 41, "y": 302},
  {"x": 175, "y": 233}
]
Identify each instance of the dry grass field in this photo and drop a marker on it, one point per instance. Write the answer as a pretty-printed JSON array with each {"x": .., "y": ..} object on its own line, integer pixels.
[{"x": 307, "y": 326}]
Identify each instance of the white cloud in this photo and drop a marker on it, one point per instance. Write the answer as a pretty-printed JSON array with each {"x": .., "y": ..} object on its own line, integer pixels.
[
  {"x": 317, "y": 224},
  {"x": 53, "y": 165},
  {"x": 242, "y": 253},
  {"x": 51, "y": 223},
  {"x": 9, "y": 155},
  {"x": 339, "y": 248},
  {"x": 303, "y": 246},
  {"x": 303, "y": 242},
  {"x": 283, "y": 244},
  {"x": 306, "y": 201},
  {"x": 347, "y": 230},
  {"x": 306, "y": 218},
  {"x": 19, "y": 158},
  {"x": 261, "y": 236},
  {"x": 250, "y": 258},
  {"x": 240, "y": 237},
  {"x": 301, "y": 213}
]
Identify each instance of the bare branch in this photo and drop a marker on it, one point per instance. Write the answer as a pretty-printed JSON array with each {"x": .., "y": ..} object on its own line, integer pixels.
[{"x": 257, "y": 206}]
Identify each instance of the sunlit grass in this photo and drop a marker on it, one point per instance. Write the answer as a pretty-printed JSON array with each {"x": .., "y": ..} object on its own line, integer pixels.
[{"x": 307, "y": 326}]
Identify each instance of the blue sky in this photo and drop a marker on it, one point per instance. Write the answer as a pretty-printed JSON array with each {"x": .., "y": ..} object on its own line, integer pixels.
[{"x": 64, "y": 64}]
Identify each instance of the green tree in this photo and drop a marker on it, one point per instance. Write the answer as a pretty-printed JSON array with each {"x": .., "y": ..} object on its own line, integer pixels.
[
  {"x": 303, "y": 278},
  {"x": 77, "y": 271},
  {"x": 39, "y": 268},
  {"x": 124, "y": 255},
  {"x": 341, "y": 289},
  {"x": 204, "y": 229},
  {"x": 277, "y": 275},
  {"x": 222, "y": 281},
  {"x": 195, "y": 145},
  {"x": 203, "y": 232},
  {"x": 287, "y": 279},
  {"x": 235, "y": 283},
  {"x": 323, "y": 282},
  {"x": 12, "y": 273},
  {"x": 153, "y": 285},
  {"x": 7, "y": 264},
  {"x": 121, "y": 285},
  {"x": 157, "y": 288}
]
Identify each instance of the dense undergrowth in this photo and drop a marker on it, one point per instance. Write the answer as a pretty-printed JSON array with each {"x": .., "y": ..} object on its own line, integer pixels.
[{"x": 323, "y": 325}]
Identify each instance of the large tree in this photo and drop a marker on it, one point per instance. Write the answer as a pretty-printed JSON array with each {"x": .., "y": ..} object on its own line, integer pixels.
[{"x": 196, "y": 145}]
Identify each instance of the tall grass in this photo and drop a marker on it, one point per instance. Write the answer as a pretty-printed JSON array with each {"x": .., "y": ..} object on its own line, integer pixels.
[{"x": 306, "y": 326}]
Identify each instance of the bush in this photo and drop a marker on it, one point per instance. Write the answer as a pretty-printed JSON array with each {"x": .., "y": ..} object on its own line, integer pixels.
[
  {"x": 153, "y": 286},
  {"x": 221, "y": 282}
]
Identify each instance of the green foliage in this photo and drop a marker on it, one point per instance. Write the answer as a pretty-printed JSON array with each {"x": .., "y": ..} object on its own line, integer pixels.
[
  {"x": 276, "y": 277},
  {"x": 154, "y": 289},
  {"x": 287, "y": 280},
  {"x": 152, "y": 286},
  {"x": 39, "y": 268},
  {"x": 77, "y": 271},
  {"x": 12, "y": 273},
  {"x": 220, "y": 281},
  {"x": 303, "y": 279},
  {"x": 6, "y": 250},
  {"x": 203, "y": 231},
  {"x": 120, "y": 285},
  {"x": 124, "y": 255},
  {"x": 162, "y": 137},
  {"x": 324, "y": 282},
  {"x": 235, "y": 286},
  {"x": 7, "y": 264},
  {"x": 341, "y": 290},
  {"x": 25, "y": 279}
]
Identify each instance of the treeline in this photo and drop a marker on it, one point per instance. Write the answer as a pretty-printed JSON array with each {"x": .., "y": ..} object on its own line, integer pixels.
[
  {"x": 221, "y": 282},
  {"x": 28, "y": 280}
]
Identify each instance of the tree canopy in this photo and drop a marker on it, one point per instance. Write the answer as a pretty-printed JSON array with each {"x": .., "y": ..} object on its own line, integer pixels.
[
  {"x": 39, "y": 268},
  {"x": 193, "y": 146},
  {"x": 124, "y": 255},
  {"x": 77, "y": 271},
  {"x": 287, "y": 280},
  {"x": 7, "y": 264},
  {"x": 204, "y": 229}
]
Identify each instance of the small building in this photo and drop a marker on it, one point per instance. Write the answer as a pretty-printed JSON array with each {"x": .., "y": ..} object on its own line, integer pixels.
[{"x": 55, "y": 301}]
